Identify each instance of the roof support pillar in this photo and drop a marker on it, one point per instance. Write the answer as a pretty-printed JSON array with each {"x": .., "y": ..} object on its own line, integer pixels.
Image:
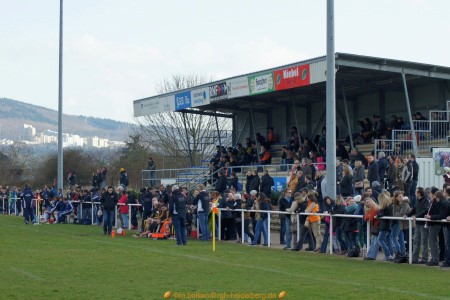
[
  {"x": 349, "y": 124},
  {"x": 331, "y": 103},
  {"x": 253, "y": 126},
  {"x": 413, "y": 130}
]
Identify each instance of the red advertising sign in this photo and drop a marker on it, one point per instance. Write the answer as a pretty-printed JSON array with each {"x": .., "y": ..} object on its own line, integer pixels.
[{"x": 291, "y": 77}]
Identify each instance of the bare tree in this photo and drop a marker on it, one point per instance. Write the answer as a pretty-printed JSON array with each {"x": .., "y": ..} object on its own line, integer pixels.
[{"x": 187, "y": 136}]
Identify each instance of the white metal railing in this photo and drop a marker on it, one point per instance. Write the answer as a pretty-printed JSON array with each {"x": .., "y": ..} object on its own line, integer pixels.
[
  {"x": 269, "y": 212},
  {"x": 429, "y": 133}
]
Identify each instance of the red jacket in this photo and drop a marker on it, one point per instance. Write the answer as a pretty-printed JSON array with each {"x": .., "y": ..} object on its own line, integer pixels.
[{"x": 123, "y": 208}]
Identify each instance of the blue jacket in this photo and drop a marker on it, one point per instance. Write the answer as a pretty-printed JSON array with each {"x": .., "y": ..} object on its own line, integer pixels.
[{"x": 27, "y": 198}]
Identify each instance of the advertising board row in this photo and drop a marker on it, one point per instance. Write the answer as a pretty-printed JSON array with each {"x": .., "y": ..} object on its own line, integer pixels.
[{"x": 265, "y": 82}]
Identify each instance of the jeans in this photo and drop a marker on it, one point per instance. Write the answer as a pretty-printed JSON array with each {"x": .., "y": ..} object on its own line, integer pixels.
[
  {"x": 433, "y": 232},
  {"x": 397, "y": 239},
  {"x": 384, "y": 242},
  {"x": 124, "y": 221},
  {"x": 447, "y": 244},
  {"x": 261, "y": 225},
  {"x": 326, "y": 236},
  {"x": 203, "y": 225},
  {"x": 420, "y": 241},
  {"x": 179, "y": 226},
  {"x": 108, "y": 219},
  {"x": 340, "y": 239},
  {"x": 373, "y": 249},
  {"x": 282, "y": 230},
  {"x": 288, "y": 223}
]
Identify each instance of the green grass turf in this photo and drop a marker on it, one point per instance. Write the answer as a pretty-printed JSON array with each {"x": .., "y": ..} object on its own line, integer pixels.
[{"x": 77, "y": 262}]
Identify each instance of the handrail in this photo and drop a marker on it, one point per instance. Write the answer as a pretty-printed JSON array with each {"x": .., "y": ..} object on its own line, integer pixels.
[{"x": 269, "y": 212}]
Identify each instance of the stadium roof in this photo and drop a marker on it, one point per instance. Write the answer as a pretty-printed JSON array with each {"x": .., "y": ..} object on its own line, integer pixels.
[{"x": 301, "y": 82}]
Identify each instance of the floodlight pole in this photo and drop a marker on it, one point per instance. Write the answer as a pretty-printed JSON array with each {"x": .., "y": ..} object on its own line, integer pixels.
[
  {"x": 331, "y": 104},
  {"x": 60, "y": 100}
]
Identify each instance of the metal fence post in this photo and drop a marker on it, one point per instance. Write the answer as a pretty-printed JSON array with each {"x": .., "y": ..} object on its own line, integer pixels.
[
  {"x": 92, "y": 212},
  {"x": 219, "y": 231},
  {"x": 298, "y": 227},
  {"x": 410, "y": 240},
  {"x": 115, "y": 216},
  {"x": 268, "y": 229},
  {"x": 242, "y": 227},
  {"x": 129, "y": 216},
  {"x": 330, "y": 233},
  {"x": 368, "y": 236}
]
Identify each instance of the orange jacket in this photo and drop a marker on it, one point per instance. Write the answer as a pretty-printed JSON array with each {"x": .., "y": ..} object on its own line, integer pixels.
[{"x": 312, "y": 219}]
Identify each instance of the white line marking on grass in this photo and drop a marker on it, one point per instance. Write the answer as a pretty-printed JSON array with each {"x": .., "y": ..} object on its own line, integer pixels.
[
  {"x": 28, "y": 274},
  {"x": 296, "y": 274}
]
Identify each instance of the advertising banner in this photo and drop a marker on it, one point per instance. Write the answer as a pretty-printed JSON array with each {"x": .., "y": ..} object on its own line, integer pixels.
[
  {"x": 183, "y": 100},
  {"x": 199, "y": 97},
  {"x": 153, "y": 106},
  {"x": 441, "y": 157},
  {"x": 238, "y": 87},
  {"x": 218, "y": 91},
  {"x": 279, "y": 183},
  {"x": 262, "y": 83},
  {"x": 291, "y": 77}
]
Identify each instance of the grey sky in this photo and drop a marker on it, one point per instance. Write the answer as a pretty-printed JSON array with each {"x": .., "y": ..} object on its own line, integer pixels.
[{"x": 116, "y": 51}]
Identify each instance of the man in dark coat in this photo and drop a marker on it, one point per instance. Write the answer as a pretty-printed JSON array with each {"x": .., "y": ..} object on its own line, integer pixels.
[
  {"x": 266, "y": 184},
  {"x": 177, "y": 210},
  {"x": 372, "y": 174}
]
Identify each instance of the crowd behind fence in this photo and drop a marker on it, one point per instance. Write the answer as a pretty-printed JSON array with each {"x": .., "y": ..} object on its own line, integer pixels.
[{"x": 269, "y": 216}]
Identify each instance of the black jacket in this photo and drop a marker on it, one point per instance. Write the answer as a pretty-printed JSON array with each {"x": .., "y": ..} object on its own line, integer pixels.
[
  {"x": 372, "y": 174},
  {"x": 346, "y": 186},
  {"x": 420, "y": 210},
  {"x": 177, "y": 203},
  {"x": 109, "y": 200},
  {"x": 254, "y": 184},
  {"x": 439, "y": 211},
  {"x": 338, "y": 210},
  {"x": 204, "y": 199},
  {"x": 266, "y": 184},
  {"x": 385, "y": 224},
  {"x": 221, "y": 184}
]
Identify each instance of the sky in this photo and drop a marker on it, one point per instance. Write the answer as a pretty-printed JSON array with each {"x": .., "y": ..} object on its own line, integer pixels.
[{"x": 117, "y": 51}]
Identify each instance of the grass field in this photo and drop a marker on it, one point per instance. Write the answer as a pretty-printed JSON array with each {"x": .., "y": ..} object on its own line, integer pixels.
[{"x": 78, "y": 262}]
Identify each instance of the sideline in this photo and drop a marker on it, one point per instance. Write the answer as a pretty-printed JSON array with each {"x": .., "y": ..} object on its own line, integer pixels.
[{"x": 100, "y": 239}]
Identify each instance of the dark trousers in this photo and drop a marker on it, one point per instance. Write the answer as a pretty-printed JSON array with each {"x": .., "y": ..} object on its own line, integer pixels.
[
  {"x": 305, "y": 233},
  {"x": 108, "y": 219},
  {"x": 282, "y": 230},
  {"x": 247, "y": 229},
  {"x": 179, "y": 225},
  {"x": 28, "y": 214}
]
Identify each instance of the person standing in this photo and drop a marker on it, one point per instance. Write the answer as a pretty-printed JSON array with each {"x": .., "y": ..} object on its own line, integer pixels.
[
  {"x": 446, "y": 263},
  {"x": 415, "y": 178},
  {"x": 27, "y": 202},
  {"x": 177, "y": 210},
  {"x": 437, "y": 211},
  {"x": 109, "y": 201},
  {"x": 266, "y": 184},
  {"x": 420, "y": 232},
  {"x": 407, "y": 175},
  {"x": 202, "y": 201},
  {"x": 372, "y": 174},
  {"x": 124, "y": 180},
  {"x": 151, "y": 166},
  {"x": 124, "y": 208},
  {"x": 358, "y": 177},
  {"x": 285, "y": 220}
]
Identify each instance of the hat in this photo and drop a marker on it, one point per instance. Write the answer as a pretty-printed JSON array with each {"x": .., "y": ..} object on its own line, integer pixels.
[
  {"x": 357, "y": 198},
  {"x": 305, "y": 189},
  {"x": 375, "y": 184},
  {"x": 122, "y": 170},
  {"x": 253, "y": 192},
  {"x": 237, "y": 196},
  {"x": 447, "y": 169}
]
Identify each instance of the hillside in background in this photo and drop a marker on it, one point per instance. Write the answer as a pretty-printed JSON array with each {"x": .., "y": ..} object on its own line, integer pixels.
[{"x": 13, "y": 114}]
